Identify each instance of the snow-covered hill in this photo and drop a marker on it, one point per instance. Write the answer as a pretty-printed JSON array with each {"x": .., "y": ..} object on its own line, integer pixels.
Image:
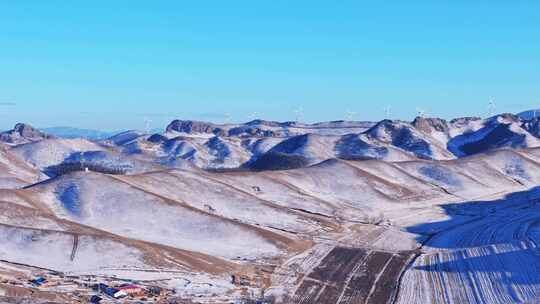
[
  {"x": 302, "y": 213},
  {"x": 14, "y": 171},
  {"x": 22, "y": 133},
  {"x": 496, "y": 132},
  {"x": 269, "y": 145},
  {"x": 219, "y": 222},
  {"x": 49, "y": 152},
  {"x": 70, "y": 132}
]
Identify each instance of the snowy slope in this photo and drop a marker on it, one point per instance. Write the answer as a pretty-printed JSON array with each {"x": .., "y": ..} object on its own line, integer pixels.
[
  {"x": 270, "y": 145},
  {"x": 69, "y": 132},
  {"x": 33, "y": 237},
  {"x": 50, "y": 152},
  {"x": 406, "y": 137},
  {"x": 431, "y": 211},
  {"x": 110, "y": 204},
  {"x": 497, "y": 132},
  {"x": 493, "y": 258},
  {"x": 14, "y": 171},
  {"x": 223, "y": 199},
  {"x": 529, "y": 114}
]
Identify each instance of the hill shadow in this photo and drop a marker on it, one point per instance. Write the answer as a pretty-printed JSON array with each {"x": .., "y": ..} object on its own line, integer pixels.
[{"x": 499, "y": 239}]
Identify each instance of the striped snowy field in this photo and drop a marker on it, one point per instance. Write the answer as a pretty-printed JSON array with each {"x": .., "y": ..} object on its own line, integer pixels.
[{"x": 494, "y": 259}]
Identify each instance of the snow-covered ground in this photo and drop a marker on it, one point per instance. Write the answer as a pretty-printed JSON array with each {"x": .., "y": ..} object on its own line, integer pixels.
[
  {"x": 489, "y": 259},
  {"x": 358, "y": 214},
  {"x": 107, "y": 203}
]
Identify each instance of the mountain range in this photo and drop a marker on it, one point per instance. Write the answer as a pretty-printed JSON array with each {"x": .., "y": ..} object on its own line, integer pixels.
[
  {"x": 428, "y": 211},
  {"x": 269, "y": 145}
]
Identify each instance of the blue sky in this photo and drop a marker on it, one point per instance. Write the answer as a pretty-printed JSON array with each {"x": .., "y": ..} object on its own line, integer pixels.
[{"x": 110, "y": 64}]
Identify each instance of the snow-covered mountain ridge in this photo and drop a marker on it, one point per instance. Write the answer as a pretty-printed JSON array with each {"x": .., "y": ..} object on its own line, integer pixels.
[{"x": 268, "y": 145}]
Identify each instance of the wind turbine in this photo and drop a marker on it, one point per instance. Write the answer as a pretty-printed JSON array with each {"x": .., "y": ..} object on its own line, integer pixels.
[
  {"x": 299, "y": 114},
  {"x": 147, "y": 124},
  {"x": 491, "y": 107},
  {"x": 349, "y": 115},
  {"x": 421, "y": 112},
  {"x": 387, "y": 110},
  {"x": 228, "y": 118},
  {"x": 253, "y": 115}
]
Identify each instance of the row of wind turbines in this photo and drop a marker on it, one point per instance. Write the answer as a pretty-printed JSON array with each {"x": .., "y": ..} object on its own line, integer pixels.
[{"x": 349, "y": 115}]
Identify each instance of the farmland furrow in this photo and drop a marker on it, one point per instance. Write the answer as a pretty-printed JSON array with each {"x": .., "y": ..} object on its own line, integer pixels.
[{"x": 492, "y": 259}]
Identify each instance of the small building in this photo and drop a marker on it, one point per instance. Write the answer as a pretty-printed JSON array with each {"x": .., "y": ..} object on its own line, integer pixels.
[
  {"x": 111, "y": 292},
  {"x": 243, "y": 279},
  {"x": 107, "y": 290},
  {"x": 39, "y": 281},
  {"x": 154, "y": 290},
  {"x": 120, "y": 294},
  {"x": 132, "y": 290},
  {"x": 100, "y": 287}
]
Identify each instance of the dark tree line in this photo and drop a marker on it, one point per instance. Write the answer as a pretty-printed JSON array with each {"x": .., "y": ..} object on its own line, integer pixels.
[{"x": 65, "y": 168}]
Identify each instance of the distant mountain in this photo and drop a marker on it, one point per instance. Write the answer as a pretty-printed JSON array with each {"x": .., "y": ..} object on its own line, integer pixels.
[
  {"x": 125, "y": 137},
  {"x": 23, "y": 133},
  {"x": 413, "y": 139},
  {"x": 271, "y": 145},
  {"x": 265, "y": 128},
  {"x": 45, "y": 153},
  {"x": 505, "y": 130},
  {"x": 69, "y": 132},
  {"x": 529, "y": 114},
  {"x": 90, "y": 134}
]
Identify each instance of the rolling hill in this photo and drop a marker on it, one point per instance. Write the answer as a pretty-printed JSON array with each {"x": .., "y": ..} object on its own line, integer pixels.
[{"x": 320, "y": 213}]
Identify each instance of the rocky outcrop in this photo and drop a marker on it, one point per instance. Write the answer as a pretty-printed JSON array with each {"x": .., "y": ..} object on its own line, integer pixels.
[
  {"x": 429, "y": 125},
  {"x": 462, "y": 121},
  {"x": 402, "y": 135},
  {"x": 249, "y": 131},
  {"x": 500, "y": 131},
  {"x": 532, "y": 126},
  {"x": 193, "y": 126},
  {"x": 157, "y": 138},
  {"x": 23, "y": 133}
]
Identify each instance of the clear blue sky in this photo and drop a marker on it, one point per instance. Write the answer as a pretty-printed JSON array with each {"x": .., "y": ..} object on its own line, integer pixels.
[{"x": 108, "y": 64}]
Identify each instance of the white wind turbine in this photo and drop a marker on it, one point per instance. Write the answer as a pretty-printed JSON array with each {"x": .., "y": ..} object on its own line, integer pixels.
[
  {"x": 421, "y": 112},
  {"x": 253, "y": 116},
  {"x": 147, "y": 125},
  {"x": 299, "y": 114},
  {"x": 228, "y": 118},
  {"x": 491, "y": 107},
  {"x": 349, "y": 115},
  {"x": 387, "y": 110}
]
